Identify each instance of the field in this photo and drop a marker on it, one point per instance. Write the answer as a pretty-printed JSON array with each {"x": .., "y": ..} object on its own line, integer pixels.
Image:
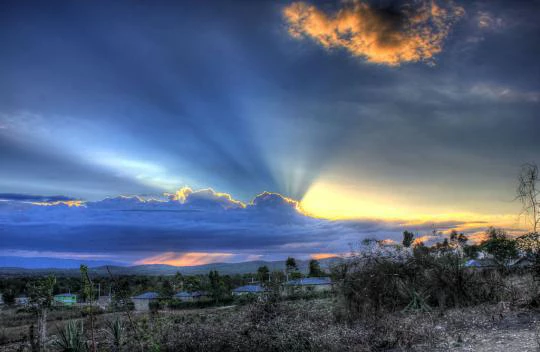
[{"x": 300, "y": 325}]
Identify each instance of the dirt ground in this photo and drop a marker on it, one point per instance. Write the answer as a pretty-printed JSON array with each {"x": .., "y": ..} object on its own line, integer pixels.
[{"x": 482, "y": 328}]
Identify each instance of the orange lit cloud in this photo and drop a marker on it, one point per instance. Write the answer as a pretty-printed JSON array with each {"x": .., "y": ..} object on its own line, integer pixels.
[
  {"x": 319, "y": 256},
  {"x": 185, "y": 259},
  {"x": 69, "y": 203},
  {"x": 379, "y": 36},
  {"x": 186, "y": 194}
]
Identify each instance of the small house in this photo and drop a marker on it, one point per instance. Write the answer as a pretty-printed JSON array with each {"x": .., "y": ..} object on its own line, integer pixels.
[
  {"x": 66, "y": 299},
  {"x": 104, "y": 301},
  {"x": 481, "y": 263},
  {"x": 309, "y": 284},
  {"x": 248, "y": 289},
  {"x": 22, "y": 300},
  {"x": 142, "y": 301}
]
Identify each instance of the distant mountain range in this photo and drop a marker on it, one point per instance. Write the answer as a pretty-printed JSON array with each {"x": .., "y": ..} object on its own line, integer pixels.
[{"x": 157, "y": 269}]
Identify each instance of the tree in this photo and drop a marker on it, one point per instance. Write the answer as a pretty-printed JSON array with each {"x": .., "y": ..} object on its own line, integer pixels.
[
  {"x": 471, "y": 251},
  {"x": 502, "y": 249},
  {"x": 408, "y": 238},
  {"x": 179, "y": 280},
  {"x": 494, "y": 233},
  {"x": 458, "y": 238},
  {"x": 442, "y": 247},
  {"x": 263, "y": 273},
  {"x": 315, "y": 268},
  {"x": 9, "y": 297},
  {"x": 528, "y": 193},
  {"x": 291, "y": 265},
  {"x": 217, "y": 287},
  {"x": 167, "y": 291},
  {"x": 41, "y": 297}
]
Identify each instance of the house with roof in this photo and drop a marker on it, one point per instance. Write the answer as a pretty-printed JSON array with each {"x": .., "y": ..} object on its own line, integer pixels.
[
  {"x": 22, "y": 300},
  {"x": 254, "y": 289},
  {"x": 185, "y": 296},
  {"x": 308, "y": 284},
  {"x": 142, "y": 301},
  {"x": 66, "y": 299},
  {"x": 481, "y": 263}
]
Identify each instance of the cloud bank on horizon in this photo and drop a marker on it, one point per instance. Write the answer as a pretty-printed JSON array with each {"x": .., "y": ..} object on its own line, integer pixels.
[{"x": 185, "y": 228}]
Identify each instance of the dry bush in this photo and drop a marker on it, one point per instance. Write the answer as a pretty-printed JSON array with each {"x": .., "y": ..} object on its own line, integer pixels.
[{"x": 376, "y": 286}]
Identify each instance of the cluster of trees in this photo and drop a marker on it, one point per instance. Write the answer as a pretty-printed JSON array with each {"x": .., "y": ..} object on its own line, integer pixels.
[{"x": 497, "y": 243}]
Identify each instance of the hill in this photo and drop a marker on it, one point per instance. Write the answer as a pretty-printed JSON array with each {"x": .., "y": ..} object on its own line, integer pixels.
[{"x": 162, "y": 269}]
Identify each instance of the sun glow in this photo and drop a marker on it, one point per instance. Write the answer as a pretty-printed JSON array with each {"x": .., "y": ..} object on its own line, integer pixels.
[
  {"x": 319, "y": 256},
  {"x": 185, "y": 259},
  {"x": 333, "y": 201}
]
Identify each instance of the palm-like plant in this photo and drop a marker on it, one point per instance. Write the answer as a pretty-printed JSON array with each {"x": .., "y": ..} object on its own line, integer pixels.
[{"x": 71, "y": 338}]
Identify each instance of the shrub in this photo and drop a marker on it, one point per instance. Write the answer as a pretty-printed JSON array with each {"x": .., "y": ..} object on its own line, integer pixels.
[
  {"x": 71, "y": 338},
  {"x": 376, "y": 285}
]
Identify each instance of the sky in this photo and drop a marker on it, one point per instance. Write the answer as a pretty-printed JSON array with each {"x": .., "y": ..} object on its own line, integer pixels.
[{"x": 193, "y": 132}]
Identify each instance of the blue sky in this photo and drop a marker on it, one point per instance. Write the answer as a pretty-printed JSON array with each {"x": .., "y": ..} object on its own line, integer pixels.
[{"x": 143, "y": 98}]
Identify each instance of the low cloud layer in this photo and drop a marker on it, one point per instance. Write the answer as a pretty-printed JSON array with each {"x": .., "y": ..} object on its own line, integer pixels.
[
  {"x": 188, "y": 228},
  {"x": 412, "y": 33}
]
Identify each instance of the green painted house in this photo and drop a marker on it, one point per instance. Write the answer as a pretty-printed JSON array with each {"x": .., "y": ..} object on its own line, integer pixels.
[{"x": 67, "y": 299}]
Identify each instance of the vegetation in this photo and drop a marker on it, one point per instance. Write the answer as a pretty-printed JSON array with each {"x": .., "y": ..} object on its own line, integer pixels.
[
  {"x": 408, "y": 238},
  {"x": 315, "y": 269},
  {"x": 71, "y": 338}
]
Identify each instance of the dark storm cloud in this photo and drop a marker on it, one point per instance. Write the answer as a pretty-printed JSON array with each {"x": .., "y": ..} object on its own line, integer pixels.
[{"x": 32, "y": 198}]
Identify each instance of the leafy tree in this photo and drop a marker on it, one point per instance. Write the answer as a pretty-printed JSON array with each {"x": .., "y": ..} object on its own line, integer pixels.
[
  {"x": 192, "y": 283},
  {"x": 408, "y": 238},
  {"x": 217, "y": 287},
  {"x": 502, "y": 249},
  {"x": 9, "y": 297},
  {"x": 263, "y": 273},
  {"x": 458, "y": 238},
  {"x": 420, "y": 250},
  {"x": 291, "y": 265},
  {"x": 315, "y": 268},
  {"x": 40, "y": 294},
  {"x": 471, "y": 251},
  {"x": 494, "y": 233},
  {"x": 179, "y": 280},
  {"x": 442, "y": 247},
  {"x": 167, "y": 290}
]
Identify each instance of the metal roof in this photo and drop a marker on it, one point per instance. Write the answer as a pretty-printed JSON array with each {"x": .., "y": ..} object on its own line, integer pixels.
[
  {"x": 185, "y": 294},
  {"x": 480, "y": 263},
  {"x": 147, "y": 295},
  {"x": 65, "y": 295},
  {"x": 309, "y": 281},
  {"x": 250, "y": 288}
]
